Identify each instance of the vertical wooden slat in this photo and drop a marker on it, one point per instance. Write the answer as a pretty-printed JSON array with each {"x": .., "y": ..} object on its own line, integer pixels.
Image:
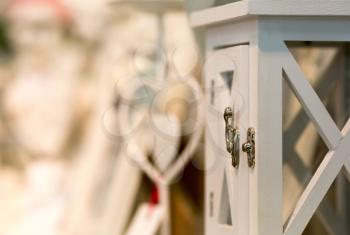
[{"x": 269, "y": 134}]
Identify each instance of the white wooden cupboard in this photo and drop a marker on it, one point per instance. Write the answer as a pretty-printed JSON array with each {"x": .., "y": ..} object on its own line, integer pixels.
[{"x": 247, "y": 61}]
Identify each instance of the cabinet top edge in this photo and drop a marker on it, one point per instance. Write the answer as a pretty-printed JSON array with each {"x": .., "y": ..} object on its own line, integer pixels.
[{"x": 247, "y": 8}]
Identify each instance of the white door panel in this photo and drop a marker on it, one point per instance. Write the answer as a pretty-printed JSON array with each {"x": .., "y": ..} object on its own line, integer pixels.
[{"x": 227, "y": 198}]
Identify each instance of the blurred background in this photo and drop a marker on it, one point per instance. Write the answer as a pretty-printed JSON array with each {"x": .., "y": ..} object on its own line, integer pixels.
[
  {"x": 70, "y": 71},
  {"x": 85, "y": 86}
]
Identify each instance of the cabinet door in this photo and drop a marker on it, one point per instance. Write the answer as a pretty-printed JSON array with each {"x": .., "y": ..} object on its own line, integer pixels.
[{"x": 226, "y": 191}]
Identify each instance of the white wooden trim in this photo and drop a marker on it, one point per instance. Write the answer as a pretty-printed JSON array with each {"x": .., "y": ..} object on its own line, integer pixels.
[
  {"x": 245, "y": 8},
  {"x": 310, "y": 100},
  {"x": 317, "y": 29},
  {"x": 299, "y": 8},
  {"x": 269, "y": 138},
  {"x": 236, "y": 33},
  {"x": 328, "y": 29},
  {"x": 298, "y": 124},
  {"x": 253, "y": 121},
  {"x": 219, "y": 14},
  {"x": 319, "y": 185},
  {"x": 329, "y": 218}
]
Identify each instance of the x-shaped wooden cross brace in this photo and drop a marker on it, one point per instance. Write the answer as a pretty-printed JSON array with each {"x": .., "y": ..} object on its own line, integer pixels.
[
  {"x": 334, "y": 223},
  {"x": 338, "y": 143}
]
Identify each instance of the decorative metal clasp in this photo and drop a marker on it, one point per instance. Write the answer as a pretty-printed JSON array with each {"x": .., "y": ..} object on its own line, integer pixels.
[
  {"x": 232, "y": 137},
  {"x": 249, "y": 147}
]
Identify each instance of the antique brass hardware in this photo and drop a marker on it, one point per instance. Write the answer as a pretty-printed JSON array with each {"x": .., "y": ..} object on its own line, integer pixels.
[
  {"x": 249, "y": 147},
  {"x": 232, "y": 137}
]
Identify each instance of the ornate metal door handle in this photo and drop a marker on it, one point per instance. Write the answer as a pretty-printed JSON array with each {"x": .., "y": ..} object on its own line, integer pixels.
[
  {"x": 249, "y": 147},
  {"x": 232, "y": 137}
]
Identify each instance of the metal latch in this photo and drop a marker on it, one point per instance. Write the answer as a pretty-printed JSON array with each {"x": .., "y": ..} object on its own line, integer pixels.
[
  {"x": 249, "y": 147},
  {"x": 232, "y": 137}
]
